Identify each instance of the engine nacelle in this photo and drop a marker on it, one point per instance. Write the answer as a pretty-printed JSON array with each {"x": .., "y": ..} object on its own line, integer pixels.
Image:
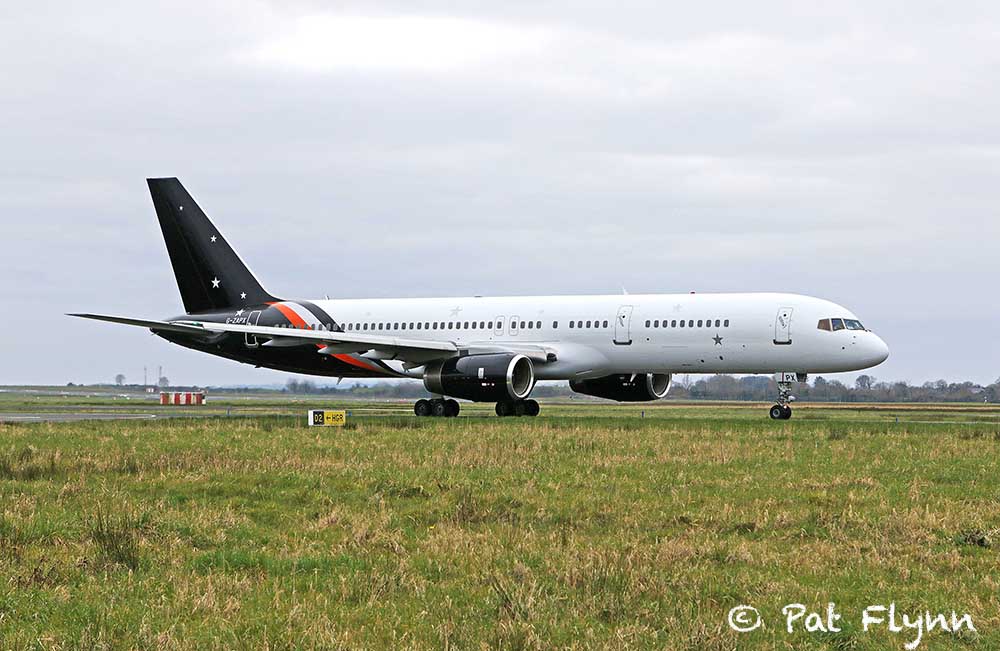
[
  {"x": 482, "y": 378},
  {"x": 641, "y": 387}
]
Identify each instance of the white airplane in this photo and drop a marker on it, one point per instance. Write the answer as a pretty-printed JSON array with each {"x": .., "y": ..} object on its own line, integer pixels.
[{"x": 494, "y": 349}]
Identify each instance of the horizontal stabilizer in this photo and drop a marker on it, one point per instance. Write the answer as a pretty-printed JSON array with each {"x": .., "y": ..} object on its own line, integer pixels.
[{"x": 164, "y": 326}]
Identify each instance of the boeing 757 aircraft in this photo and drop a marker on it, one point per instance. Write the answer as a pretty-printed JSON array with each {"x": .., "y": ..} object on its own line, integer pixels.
[{"x": 494, "y": 349}]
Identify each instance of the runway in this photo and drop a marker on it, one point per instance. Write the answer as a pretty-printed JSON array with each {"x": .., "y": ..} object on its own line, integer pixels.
[{"x": 68, "y": 417}]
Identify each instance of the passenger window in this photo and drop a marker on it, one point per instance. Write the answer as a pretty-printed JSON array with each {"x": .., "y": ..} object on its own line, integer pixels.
[
  {"x": 588, "y": 323},
  {"x": 490, "y": 325},
  {"x": 466, "y": 325},
  {"x": 531, "y": 325},
  {"x": 690, "y": 323},
  {"x": 395, "y": 326},
  {"x": 838, "y": 324},
  {"x": 656, "y": 324},
  {"x": 605, "y": 324},
  {"x": 682, "y": 323},
  {"x": 725, "y": 323},
  {"x": 717, "y": 323},
  {"x": 538, "y": 324},
  {"x": 699, "y": 323},
  {"x": 522, "y": 325},
  {"x": 571, "y": 324},
  {"x": 555, "y": 324},
  {"x": 824, "y": 324}
]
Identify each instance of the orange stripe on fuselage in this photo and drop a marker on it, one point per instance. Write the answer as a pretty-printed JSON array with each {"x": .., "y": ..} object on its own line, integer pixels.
[
  {"x": 297, "y": 321},
  {"x": 290, "y": 314},
  {"x": 347, "y": 359}
]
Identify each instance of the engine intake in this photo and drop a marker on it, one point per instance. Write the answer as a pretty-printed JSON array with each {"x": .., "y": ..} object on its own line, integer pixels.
[
  {"x": 641, "y": 387},
  {"x": 482, "y": 378}
]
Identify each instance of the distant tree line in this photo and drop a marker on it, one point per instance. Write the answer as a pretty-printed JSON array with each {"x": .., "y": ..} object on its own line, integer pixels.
[
  {"x": 865, "y": 389},
  {"x": 717, "y": 387}
]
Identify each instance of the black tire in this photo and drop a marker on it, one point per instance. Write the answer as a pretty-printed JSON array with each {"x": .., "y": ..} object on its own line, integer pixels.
[
  {"x": 453, "y": 408},
  {"x": 503, "y": 409},
  {"x": 422, "y": 408},
  {"x": 777, "y": 412},
  {"x": 787, "y": 412},
  {"x": 531, "y": 407},
  {"x": 439, "y": 408},
  {"x": 519, "y": 408}
]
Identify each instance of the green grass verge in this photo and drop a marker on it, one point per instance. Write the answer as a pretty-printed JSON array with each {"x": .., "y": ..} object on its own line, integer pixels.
[{"x": 557, "y": 532}]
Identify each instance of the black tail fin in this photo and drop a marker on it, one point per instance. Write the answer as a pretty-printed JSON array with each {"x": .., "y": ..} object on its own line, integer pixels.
[{"x": 209, "y": 273}]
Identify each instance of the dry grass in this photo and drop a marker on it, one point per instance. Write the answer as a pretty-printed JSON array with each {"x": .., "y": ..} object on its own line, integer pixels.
[{"x": 478, "y": 533}]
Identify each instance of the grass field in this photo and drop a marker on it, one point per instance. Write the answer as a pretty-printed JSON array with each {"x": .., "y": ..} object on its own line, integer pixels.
[{"x": 588, "y": 527}]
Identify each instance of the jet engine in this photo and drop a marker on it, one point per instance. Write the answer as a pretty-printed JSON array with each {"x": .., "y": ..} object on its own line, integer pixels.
[
  {"x": 494, "y": 377},
  {"x": 640, "y": 387}
]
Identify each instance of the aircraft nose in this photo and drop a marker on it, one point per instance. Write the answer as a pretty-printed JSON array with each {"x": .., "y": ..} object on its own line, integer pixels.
[{"x": 878, "y": 350}]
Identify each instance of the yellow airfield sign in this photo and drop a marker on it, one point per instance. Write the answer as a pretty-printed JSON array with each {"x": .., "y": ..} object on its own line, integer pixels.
[{"x": 327, "y": 417}]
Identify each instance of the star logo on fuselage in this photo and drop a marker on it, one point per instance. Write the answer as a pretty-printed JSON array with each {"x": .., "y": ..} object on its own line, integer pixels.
[
  {"x": 717, "y": 339},
  {"x": 456, "y": 310},
  {"x": 239, "y": 312}
]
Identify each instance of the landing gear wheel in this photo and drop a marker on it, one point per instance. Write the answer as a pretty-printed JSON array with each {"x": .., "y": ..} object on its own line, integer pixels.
[
  {"x": 786, "y": 412},
  {"x": 452, "y": 408},
  {"x": 778, "y": 412},
  {"x": 422, "y": 408},
  {"x": 519, "y": 408},
  {"x": 439, "y": 408},
  {"x": 531, "y": 408},
  {"x": 504, "y": 409}
]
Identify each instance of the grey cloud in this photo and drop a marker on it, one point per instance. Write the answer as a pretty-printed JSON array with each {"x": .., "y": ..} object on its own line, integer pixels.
[{"x": 847, "y": 151}]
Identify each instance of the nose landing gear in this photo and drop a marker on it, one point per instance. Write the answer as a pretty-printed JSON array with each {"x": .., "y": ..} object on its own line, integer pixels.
[{"x": 782, "y": 410}]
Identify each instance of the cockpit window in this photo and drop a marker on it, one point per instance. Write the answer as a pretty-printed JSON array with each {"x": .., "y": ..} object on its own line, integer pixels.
[
  {"x": 838, "y": 324},
  {"x": 824, "y": 324},
  {"x": 853, "y": 324}
]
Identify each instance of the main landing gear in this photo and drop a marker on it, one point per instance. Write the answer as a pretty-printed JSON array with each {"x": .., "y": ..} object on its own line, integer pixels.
[
  {"x": 517, "y": 408},
  {"x": 782, "y": 411},
  {"x": 439, "y": 407}
]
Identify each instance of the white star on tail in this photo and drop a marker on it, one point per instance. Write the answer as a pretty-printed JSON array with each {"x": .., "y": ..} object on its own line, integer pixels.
[
  {"x": 215, "y": 283},
  {"x": 243, "y": 295},
  {"x": 214, "y": 238}
]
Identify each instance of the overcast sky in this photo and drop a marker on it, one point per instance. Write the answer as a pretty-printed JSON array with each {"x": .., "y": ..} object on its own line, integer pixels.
[{"x": 848, "y": 151}]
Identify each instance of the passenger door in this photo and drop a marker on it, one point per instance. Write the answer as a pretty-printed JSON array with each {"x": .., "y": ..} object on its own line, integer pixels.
[
  {"x": 623, "y": 326},
  {"x": 251, "y": 340},
  {"x": 783, "y": 327}
]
